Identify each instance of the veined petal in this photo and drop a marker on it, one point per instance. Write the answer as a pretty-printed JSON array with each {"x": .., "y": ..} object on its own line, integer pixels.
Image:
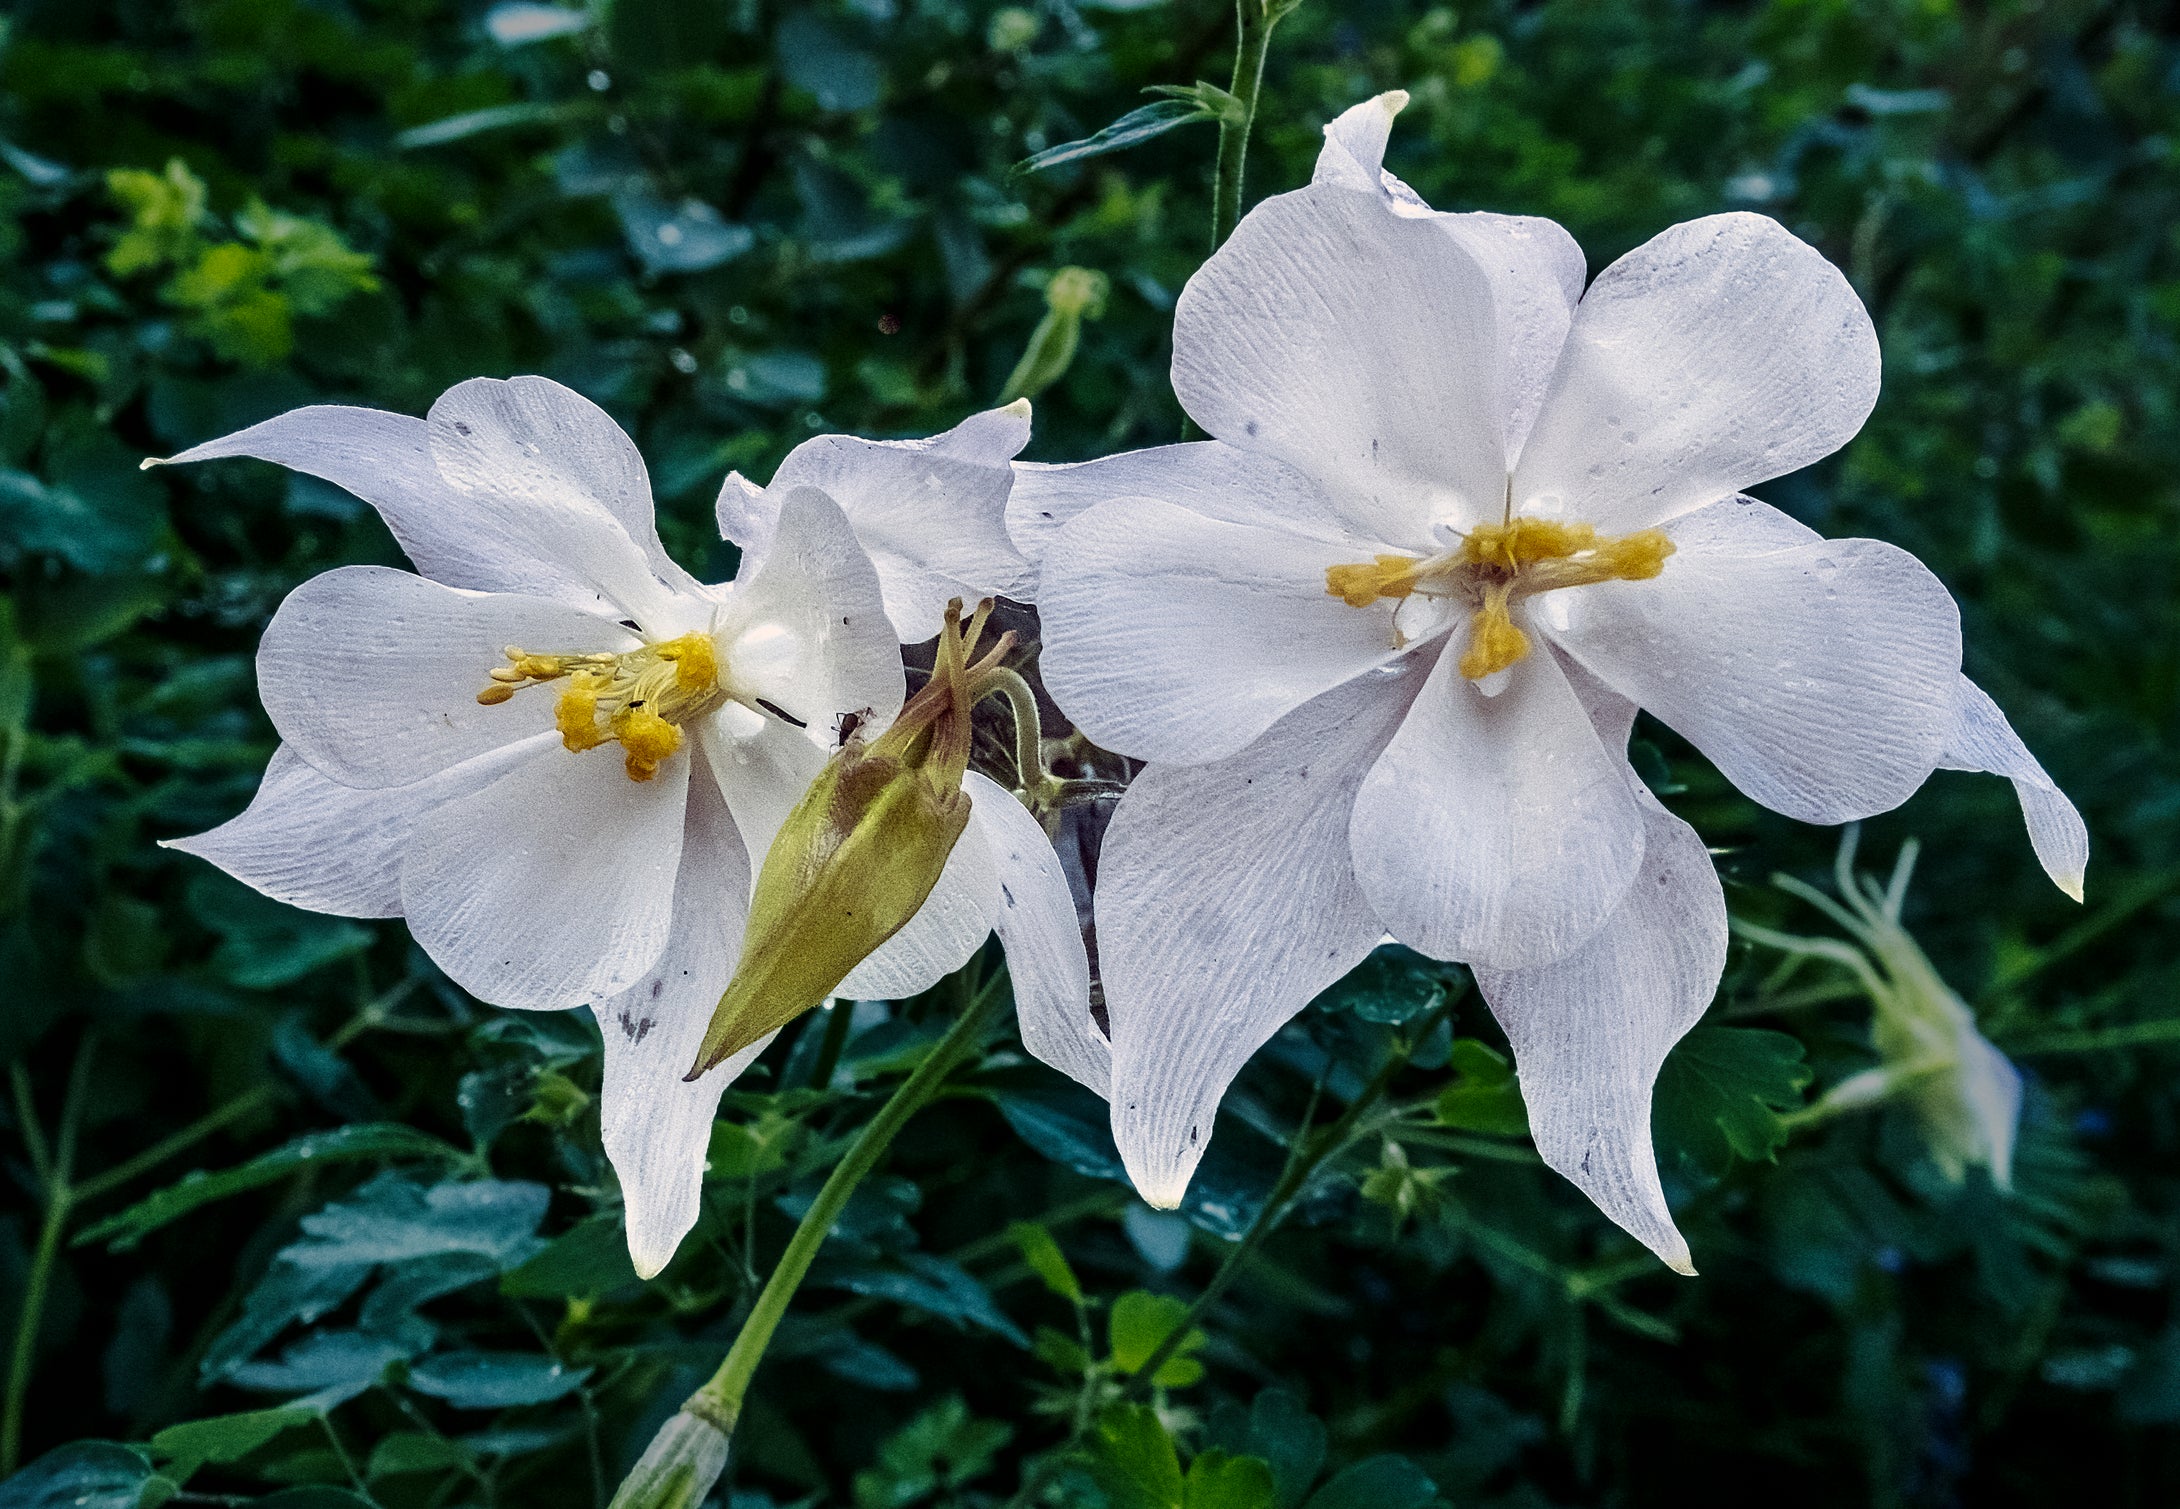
[
  {"x": 1497, "y": 829},
  {"x": 1357, "y": 345},
  {"x": 762, "y": 767},
  {"x": 1225, "y": 902},
  {"x": 1590, "y": 1030},
  {"x": 311, "y": 842},
  {"x": 931, "y": 513},
  {"x": 947, "y": 929},
  {"x": 554, "y": 885},
  {"x": 1718, "y": 354},
  {"x": 1819, "y": 678},
  {"x": 1170, "y": 636},
  {"x": 1207, "y": 477},
  {"x": 1535, "y": 267},
  {"x": 805, "y": 626},
  {"x": 1037, "y": 926},
  {"x": 372, "y": 674},
  {"x": 546, "y": 473},
  {"x": 1982, "y": 740},
  {"x": 747, "y": 514},
  {"x": 655, "y": 1126},
  {"x": 385, "y": 459}
]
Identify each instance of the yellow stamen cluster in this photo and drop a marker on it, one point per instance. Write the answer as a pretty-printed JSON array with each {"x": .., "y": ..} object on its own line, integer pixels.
[
  {"x": 1494, "y": 565},
  {"x": 639, "y": 699}
]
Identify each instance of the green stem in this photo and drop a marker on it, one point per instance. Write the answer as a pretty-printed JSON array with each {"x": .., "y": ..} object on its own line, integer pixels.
[
  {"x": 2095, "y": 1040},
  {"x": 158, "y": 1153},
  {"x": 838, "y": 1017},
  {"x": 719, "y": 1401},
  {"x": 1035, "y": 781},
  {"x": 1255, "y": 19},
  {"x": 59, "y": 1204}
]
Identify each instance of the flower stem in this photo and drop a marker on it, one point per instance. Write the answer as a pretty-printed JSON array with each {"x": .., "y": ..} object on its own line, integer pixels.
[
  {"x": 718, "y": 1404},
  {"x": 1036, "y": 783},
  {"x": 1255, "y": 19},
  {"x": 60, "y": 1201}
]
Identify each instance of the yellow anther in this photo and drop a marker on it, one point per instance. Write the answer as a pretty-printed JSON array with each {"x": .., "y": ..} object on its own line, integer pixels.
[
  {"x": 1360, "y": 586},
  {"x": 494, "y": 695},
  {"x": 638, "y": 698},
  {"x": 576, "y": 714},
  {"x": 1494, "y": 640},
  {"x": 647, "y": 738},
  {"x": 1521, "y": 542},
  {"x": 696, "y": 661}
]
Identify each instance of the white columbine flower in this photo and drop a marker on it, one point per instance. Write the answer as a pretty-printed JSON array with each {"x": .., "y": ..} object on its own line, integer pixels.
[
  {"x": 933, "y": 516},
  {"x": 554, "y": 752},
  {"x": 1384, "y": 636}
]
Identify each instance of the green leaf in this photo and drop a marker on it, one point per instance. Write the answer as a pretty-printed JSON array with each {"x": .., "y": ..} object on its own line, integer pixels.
[
  {"x": 1140, "y": 1323},
  {"x": 1720, "y": 1092},
  {"x": 413, "y": 1451},
  {"x": 1381, "y": 1482},
  {"x": 392, "y": 1220},
  {"x": 584, "y": 1262},
  {"x": 1034, "y": 1241},
  {"x": 263, "y": 943},
  {"x": 942, "y": 1450},
  {"x": 312, "y": 1150},
  {"x": 328, "y": 1366},
  {"x": 1132, "y": 1459},
  {"x": 1486, "y": 1097},
  {"x": 1395, "y": 984},
  {"x": 1278, "y": 1429},
  {"x": 935, "y": 1285},
  {"x": 83, "y": 1475},
  {"x": 1142, "y": 124},
  {"x": 222, "y": 1438},
  {"x": 1218, "y": 1481},
  {"x": 495, "y": 1380}
]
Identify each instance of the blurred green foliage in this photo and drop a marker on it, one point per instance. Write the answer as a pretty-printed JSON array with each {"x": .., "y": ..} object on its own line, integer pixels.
[{"x": 740, "y": 222}]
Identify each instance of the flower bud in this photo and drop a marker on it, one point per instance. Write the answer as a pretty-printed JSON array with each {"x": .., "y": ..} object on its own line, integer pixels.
[
  {"x": 858, "y": 855},
  {"x": 679, "y": 1467}
]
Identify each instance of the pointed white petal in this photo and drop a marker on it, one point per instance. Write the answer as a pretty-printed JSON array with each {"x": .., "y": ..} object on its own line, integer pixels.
[
  {"x": 656, "y": 1127},
  {"x": 747, "y": 513},
  {"x": 1497, "y": 829},
  {"x": 1719, "y": 354},
  {"x": 1209, "y": 477},
  {"x": 1590, "y": 1030},
  {"x": 1536, "y": 271},
  {"x": 1037, "y": 926},
  {"x": 554, "y": 885},
  {"x": 1170, "y": 636},
  {"x": 805, "y": 627},
  {"x": 311, "y": 842},
  {"x": 1989, "y": 1087},
  {"x": 1820, "y": 678},
  {"x": 950, "y": 926},
  {"x": 1357, "y": 345},
  {"x": 1353, "y": 156},
  {"x": 385, "y": 459},
  {"x": 1983, "y": 740},
  {"x": 372, "y": 674},
  {"x": 1225, "y": 901},
  {"x": 931, "y": 513},
  {"x": 547, "y": 474}
]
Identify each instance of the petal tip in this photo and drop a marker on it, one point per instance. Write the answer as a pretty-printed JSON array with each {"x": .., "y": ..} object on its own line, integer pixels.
[
  {"x": 149, "y": 462},
  {"x": 2071, "y": 884},
  {"x": 1393, "y": 101},
  {"x": 1680, "y": 1260},
  {"x": 1019, "y": 409},
  {"x": 648, "y": 1265}
]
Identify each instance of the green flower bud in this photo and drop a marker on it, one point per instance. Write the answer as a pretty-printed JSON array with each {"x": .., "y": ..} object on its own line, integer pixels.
[
  {"x": 679, "y": 1467},
  {"x": 1074, "y": 295},
  {"x": 859, "y": 854}
]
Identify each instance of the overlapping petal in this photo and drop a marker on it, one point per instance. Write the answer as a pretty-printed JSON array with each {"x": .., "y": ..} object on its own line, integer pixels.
[
  {"x": 1591, "y": 1029},
  {"x": 1496, "y": 829},
  {"x": 1819, "y": 678},
  {"x": 1171, "y": 636},
  {"x": 1982, "y": 740},
  {"x": 1720, "y": 353},
  {"x": 656, "y": 1127},
  {"x": 1226, "y": 899},
  {"x": 1357, "y": 346},
  {"x": 372, "y": 674},
  {"x": 552, "y": 886}
]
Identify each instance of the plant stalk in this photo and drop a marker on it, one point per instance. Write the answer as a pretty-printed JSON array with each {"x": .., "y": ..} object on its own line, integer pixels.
[{"x": 1255, "y": 20}]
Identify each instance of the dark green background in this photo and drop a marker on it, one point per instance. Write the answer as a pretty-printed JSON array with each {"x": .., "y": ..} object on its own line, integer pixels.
[{"x": 1998, "y": 180}]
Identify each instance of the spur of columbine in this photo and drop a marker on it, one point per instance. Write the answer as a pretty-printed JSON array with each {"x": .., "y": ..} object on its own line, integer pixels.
[
  {"x": 554, "y": 752},
  {"x": 1383, "y": 639}
]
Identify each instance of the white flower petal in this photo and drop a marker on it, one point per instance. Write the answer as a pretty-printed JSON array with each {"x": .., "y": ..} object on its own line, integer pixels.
[
  {"x": 950, "y": 926},
  {"x": 1170, "y": 636},
  {"x": 554, "y": 885},
  {"x": 1535, "y": 267},
  {"x": 805, "y": 627},
  {"x": 372, "y": 674},
  {"x": 311, "y": 842},
  {"x": 1037, "y": 926},
  {"x": 931, "y": 513},
  {"x": 1497, "y": 829},
  {"x": 1989, "y": 1091},
  {"x": 655, "y": 1125},
  {"x": 1355, "y": 344},
  {"x": 1820, "y": 679},
  {"x": 1718, "y": 354},
  {"x": 762, "y": 768},
  {"x": 1982, "y": 740},
  {"x": 385, "y": 459},
  {"x": 1209, "y": 477},
  {"x": 1590, "y": 1030},
  {"x": 1225, "y": 902},
  {"x": 747, "y": 513},
  {"x": 547, "y": 473}
]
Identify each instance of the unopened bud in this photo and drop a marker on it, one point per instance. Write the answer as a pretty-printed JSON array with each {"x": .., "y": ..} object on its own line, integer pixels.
[
  {"x": 858, "y": 855},
  {"x": 678, "y": 1469}
]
